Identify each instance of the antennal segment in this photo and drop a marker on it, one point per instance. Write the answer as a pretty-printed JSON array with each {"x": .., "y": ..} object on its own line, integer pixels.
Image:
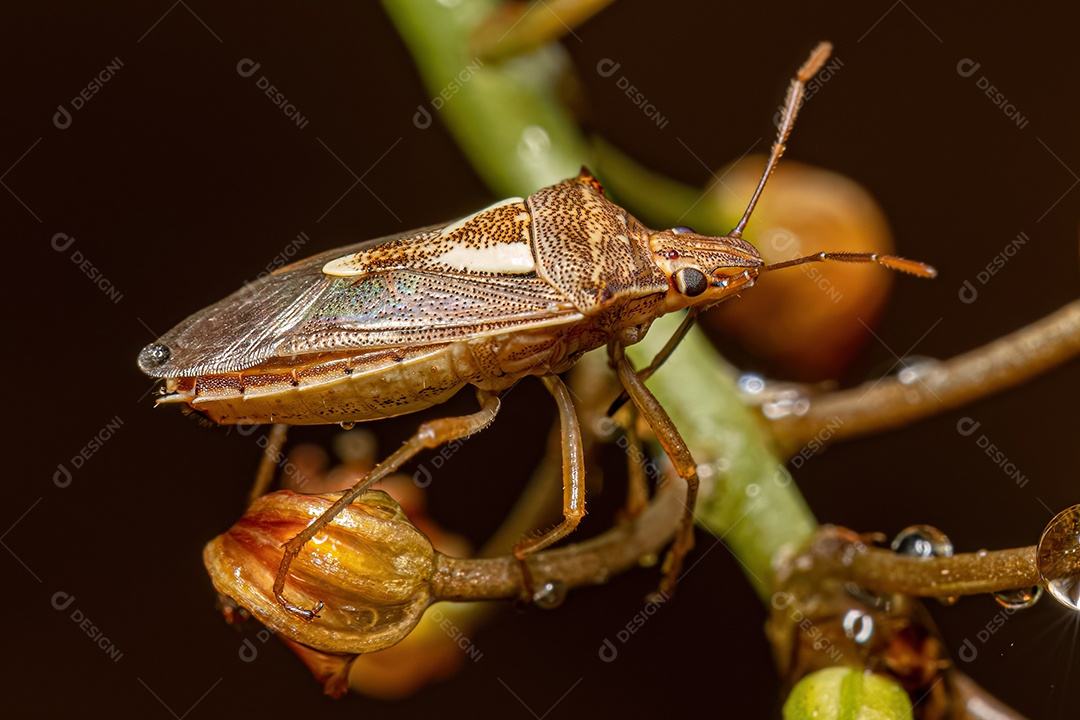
[
  {"x": 791, "y": 109},
  {"x": 912, "y": 267}
]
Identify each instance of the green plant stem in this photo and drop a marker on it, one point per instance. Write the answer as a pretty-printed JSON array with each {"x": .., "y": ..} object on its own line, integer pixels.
[
  {"x": 505, "y": 117},
  {"x": 747, "y": 497}
]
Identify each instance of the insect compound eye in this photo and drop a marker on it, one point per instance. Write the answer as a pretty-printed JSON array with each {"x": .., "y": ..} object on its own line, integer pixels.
[
  {"x": 154, "y": 355},
  {"x": 691, "y": 281},
  {"x": 683, "y": 230}
]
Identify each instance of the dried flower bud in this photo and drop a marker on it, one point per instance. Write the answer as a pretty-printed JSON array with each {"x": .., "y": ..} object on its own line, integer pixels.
[{"x": 370, "y": 567}]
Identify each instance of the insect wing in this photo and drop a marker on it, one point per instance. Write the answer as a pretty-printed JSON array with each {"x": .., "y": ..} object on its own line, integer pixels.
[{"x": 421, "y": 298}]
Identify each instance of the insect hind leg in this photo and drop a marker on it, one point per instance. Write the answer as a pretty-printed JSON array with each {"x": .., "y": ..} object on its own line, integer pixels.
[
  {"x": 676, "y": 449},
  {"x": 573, "y": 463},
  {"x": 430, "y": 435}
]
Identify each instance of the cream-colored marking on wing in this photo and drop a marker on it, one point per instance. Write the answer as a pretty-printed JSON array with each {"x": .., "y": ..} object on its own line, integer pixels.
[
  {"x": 512, "y": 258},
  {"x": 508, "y": 258},
  {"x": 346, "y": 266}
]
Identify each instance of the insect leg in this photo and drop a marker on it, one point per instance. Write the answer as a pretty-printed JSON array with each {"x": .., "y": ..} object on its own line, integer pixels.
[
  {"x": 573, "y": 462},
  {"x": 676, "y": 449},
  {"x": 265, "y": 476},
  {"x": 429, "y": 435},
  {"x": 662, "y": 356},
  {"x": 791, "y": 108},
  {"x": 637, "y": 486}
]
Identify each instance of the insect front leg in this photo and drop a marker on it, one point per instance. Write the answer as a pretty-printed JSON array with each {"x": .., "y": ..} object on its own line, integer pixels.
[
  {"x": 573, "y": 463},
  {"x": 676, "y": 449},
  {"x": 662, "y": 356},
  {"x": 430, "y": 435}
]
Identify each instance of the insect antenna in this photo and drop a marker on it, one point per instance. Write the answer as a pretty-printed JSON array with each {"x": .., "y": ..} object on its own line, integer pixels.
[
  {"x": 791, "y": 108},
  {"x": 892, "y": 262}
]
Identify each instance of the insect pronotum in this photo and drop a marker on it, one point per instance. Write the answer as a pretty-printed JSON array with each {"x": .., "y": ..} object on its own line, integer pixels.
[{"x": 523, "y": 287}]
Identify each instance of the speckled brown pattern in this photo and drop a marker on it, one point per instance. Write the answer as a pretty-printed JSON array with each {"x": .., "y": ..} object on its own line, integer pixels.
[{"x": 396, "y": 325}]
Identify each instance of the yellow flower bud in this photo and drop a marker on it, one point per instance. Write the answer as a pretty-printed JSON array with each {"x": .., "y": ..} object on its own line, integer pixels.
[{"x": 370, "y": 567}]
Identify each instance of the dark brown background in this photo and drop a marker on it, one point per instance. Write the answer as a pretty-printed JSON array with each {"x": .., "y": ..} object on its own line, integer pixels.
[{"x": 179, "y": 180}]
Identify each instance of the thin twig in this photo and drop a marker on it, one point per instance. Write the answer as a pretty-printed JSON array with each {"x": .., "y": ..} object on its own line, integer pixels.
[
  {"x": 883, "y": 571},
  {"x": 877, "y": 406},
  {"x": 518, "y": 28},
  {"x": 587, "y": 563},
  {"x": 978, "y": 704}
]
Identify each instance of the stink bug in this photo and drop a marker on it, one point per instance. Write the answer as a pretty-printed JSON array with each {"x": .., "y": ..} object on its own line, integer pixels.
[{"x": 523, "y": 287}]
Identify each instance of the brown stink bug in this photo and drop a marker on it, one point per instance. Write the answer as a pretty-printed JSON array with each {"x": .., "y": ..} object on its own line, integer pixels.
[{"x": 523, "y": 287}]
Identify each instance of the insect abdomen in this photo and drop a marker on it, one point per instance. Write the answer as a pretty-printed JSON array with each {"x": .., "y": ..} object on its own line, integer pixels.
[{"x": 373, "y": 385}]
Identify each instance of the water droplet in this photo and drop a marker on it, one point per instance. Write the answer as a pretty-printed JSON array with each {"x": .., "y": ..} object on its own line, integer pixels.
[
  {"x": 534, "y": 143},
  {"x": 348, "y": 425},
  {"x": 1059, "y": 548},
  {"x": 915, "y": 368},
  {"x": 922, "y": 541},
  {"x": 550, "y": 595},
  {"x": 926, "y": 541},
  {"x": 154, "y": 356},
  {"x": 858, "y": 626},
  {"x": 752, "y": 490},
  {"x": 751, "y": 383},
  {"x": 1020, "y": 598},
  {"x": 783, "y": 403},
  {"x": 982, "y": 553}
]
